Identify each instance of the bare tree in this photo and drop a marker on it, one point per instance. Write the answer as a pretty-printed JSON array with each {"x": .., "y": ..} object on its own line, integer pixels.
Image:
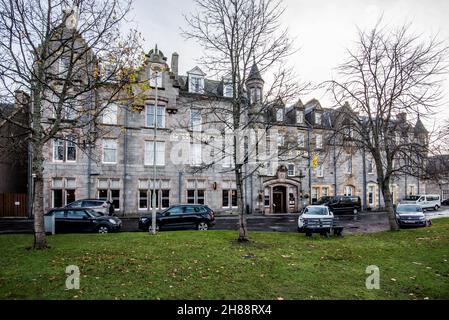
[
  {"x": 390, "y": 75},
  {"x": 238, "y": 35},
  {"x": 71, "y": 60}
]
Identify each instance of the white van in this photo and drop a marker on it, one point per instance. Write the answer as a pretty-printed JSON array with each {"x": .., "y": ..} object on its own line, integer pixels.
[{"x": 426, "y": 202}]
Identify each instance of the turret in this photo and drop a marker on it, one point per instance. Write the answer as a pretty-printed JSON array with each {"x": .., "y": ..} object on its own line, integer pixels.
[{"x": 254, "y": 85}]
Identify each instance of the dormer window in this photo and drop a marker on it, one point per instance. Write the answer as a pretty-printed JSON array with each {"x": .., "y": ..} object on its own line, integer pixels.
[
  {"x": 196, "y": 84},
  {"x": 196, "y": 80},
  {"x": 228, "y": 90},
  {"x": 299, "y": 117},
  {"x": 318, "y": 118},
  {"x": 155, "y": 79},
  {"x": 280, "y": 115}
]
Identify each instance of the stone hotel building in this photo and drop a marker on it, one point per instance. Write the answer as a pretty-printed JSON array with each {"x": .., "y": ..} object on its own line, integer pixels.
[{"x": 120, "y": 165}]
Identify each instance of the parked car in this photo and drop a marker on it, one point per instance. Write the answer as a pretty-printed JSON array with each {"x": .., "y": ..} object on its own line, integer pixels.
[
  {"x": 184, "y": 216},
  {"x": 68, "y": 220},
  {"x": 409, "y": 215},
  {"x": 426, "y": 202},
  {"x": 98, "y": 205},
  {"x": 342, "y": 204},
  {"x": 445, "y": 202},
  {"x": 315, "y": 219}
]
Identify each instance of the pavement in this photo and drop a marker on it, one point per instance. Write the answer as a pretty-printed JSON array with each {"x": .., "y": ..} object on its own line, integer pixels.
[{"x": 367, "y": 222}]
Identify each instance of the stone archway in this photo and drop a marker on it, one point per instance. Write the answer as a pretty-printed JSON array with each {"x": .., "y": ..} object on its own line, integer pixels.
[{"x": 282, "y": 196}]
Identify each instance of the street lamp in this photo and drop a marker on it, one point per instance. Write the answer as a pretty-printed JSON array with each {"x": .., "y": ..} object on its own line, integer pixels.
[{"x": 156, "y": 69}]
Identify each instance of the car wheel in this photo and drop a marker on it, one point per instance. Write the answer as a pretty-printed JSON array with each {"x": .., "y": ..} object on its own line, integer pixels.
[
  {"x": 103, "y": 229},
  {"x": 150, "y": 228},
  {"x": 356, "y": 211},
  {"x": 203, "y": 226},
  {"x": 436, "y": 207}
]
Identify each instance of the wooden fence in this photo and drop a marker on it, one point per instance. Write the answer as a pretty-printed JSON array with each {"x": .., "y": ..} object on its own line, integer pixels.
[{"x": 13, "y": 205}]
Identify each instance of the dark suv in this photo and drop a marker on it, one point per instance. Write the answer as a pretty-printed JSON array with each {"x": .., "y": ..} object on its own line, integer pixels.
[
  {"x": 342, "y": 204},
  {"x": 183, "y": 216},
  {"x": 83, "y": 220}
]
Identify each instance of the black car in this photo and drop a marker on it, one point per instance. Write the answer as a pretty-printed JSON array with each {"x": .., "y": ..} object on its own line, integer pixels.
[
  {"x": 342, "y": 204},
  {"x": 68, "y": 220},
  {"x": 445, "y": 202},
  {"x": 185, "y": 216}
]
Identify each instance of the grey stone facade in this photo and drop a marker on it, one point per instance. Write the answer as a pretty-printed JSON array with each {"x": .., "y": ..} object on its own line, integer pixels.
[{"x": 282, "y": 187}]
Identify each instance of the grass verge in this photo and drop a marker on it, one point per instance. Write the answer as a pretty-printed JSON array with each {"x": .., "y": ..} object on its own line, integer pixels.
[{"x": 212, "y": 265}]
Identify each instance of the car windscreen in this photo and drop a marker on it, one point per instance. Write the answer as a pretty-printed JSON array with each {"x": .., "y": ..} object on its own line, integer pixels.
[
  {"x": 409, "y": 209},
  {"x": 316, "y": 211},
  {"x": 94, "y": 213},
  {"x": 92, "y": 203}
]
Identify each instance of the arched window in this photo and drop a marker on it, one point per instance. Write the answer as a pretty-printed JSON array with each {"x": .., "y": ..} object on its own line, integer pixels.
[{"x": 349, "y": 191}]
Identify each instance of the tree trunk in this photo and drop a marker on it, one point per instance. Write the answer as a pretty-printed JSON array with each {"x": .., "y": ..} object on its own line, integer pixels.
[
  {"x": 243, "y": 230},
  {"x": 40, "y": 240},
  {"x": 389, "y": 206}
]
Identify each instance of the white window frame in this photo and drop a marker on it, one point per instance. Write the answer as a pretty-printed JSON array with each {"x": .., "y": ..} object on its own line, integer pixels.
[
  {"x": 103, "y": 149},
  {"x": 301, "y": 140},
  {"x": 62, "y": 68},
  {"x": 370, "y": 167},
  {"x": 349, "y": 168},
  {"x": 161, "y": 114},
  {"x": 156, "y": 81},
  {"x": 196, "y": 127},
  {"x": 299, "y": 117},
  {"x": 110, "y": 114},
  {"x": 194, "y": 89},
  {"x": 280, "y": 115},
  {"x": 69, "y": 111},
  {"x": 255, "y": 95},
  {"x": 196, "y": 158},
  {"x": 373, "y": 188},
  {"x": 228, "y": 90},
  {"x": 149, "y": 156},
  {"x": 64, "y": 188},
  {"x": 288, "y": 170},
  {"x": 320, "y": 171},
  {"x": 318, "y": 118},
  {"x": 349, "y": 194},
  {"x": 280, "y": 140},
  {"x": 138, "y": 200},
  {"x": 70, "y": 141},
  {"x": 319, "y": 141},
  {"x": 54, "y": 149}
]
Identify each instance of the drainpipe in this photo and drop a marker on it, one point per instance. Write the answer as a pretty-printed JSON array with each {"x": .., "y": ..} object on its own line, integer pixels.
[
  {"x": 335, "y": 165},
  {"x": 179, "y": 187},
  {"x": 30, "y": 180},
  {"x": 30, "y": 190},
  {"x": 364, "y": 178},
  {"x": 125, "y": 160},
  {"x": 252, "y": 193},
  {"x": 310, "y": 164}
]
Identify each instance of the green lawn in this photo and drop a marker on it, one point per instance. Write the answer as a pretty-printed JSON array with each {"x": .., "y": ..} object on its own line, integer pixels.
[{"x": 211, "y": 265}]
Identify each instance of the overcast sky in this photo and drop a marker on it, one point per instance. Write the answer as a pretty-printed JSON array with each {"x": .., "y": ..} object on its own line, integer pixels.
[{"x": 322, "y": 29}]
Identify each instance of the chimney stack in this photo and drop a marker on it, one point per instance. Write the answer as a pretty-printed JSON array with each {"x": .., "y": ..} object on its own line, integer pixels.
[{"x": 174, "y": 63}]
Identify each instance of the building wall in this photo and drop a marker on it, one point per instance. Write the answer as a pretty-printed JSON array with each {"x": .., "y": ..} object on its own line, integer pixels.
[{"x": 129, "y": 174}]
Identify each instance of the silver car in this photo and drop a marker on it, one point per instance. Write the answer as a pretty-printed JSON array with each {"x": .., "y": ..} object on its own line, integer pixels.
[{"x": 98, "y": 205}]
